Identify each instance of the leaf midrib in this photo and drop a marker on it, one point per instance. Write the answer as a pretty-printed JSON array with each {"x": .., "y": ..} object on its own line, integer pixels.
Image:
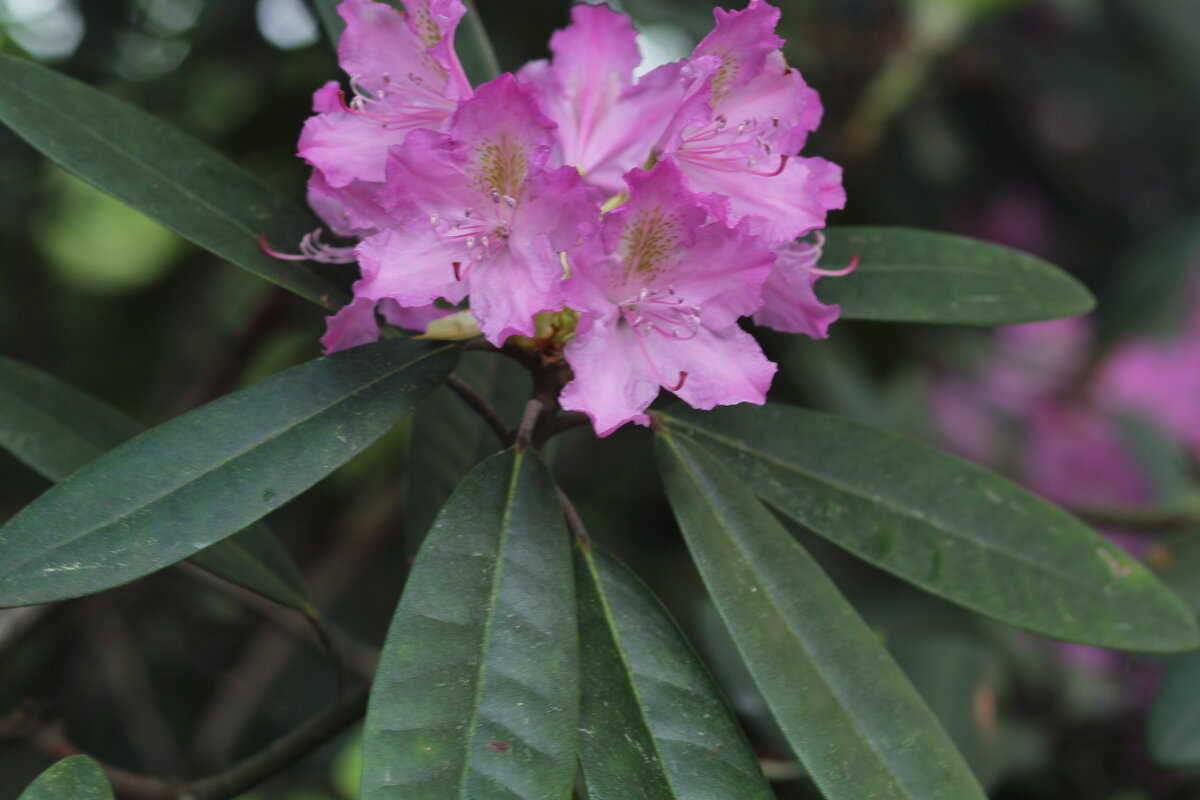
[
  {"x": 643, "y": 716},
  {"x": 490, "y": 621},
  {"x": 279, "y": 432}
]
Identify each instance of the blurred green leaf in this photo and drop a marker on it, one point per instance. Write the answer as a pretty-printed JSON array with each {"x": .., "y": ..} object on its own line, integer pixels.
[
  {"x": 75, "y": 777},
  {"x": 190, "y": 482},
  {"x": 907, "y": 275},
  {"x": 449, "y": 438},
  {"x": 57, "y": 429},
  {"x": 475, "y": 48},
  {"x": 653, "y": 724},
  {"x": 330, "y": 20},
  {"x": 945, "y": 525},
  {"x": 1176, "y": 559},
  {"x": 87, "y": 238},
  {"x": 1174, "y": 730},
  {"x": 160, "y": 171},
  {"x": 477, "y": 692},
  {"x": 960, "y": 680},
  {"x": 856, "y": 723}
]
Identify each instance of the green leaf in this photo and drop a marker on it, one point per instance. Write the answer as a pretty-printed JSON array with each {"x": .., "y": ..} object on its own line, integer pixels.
[
  {"x": 856, "y": 723},
  {"x": 477, "y": 692},
  {"x": 947, "y": 526},
  {"x": 449, "y": 438},
  {"x": 330, "y": 21},
  {"x": 1174, "y": 730},
  {"x": 57, "y": 429},
  {"x": 960, "y": 679},
  {"x": 75, "y": 777},
  {"x": 907, "y": 275},
  {"x": 1176, "y": 559},
  {"x": 160, "y": 171},
  {"x": 195, "y": 480},
  {"x": 475, "y": 48},
  {"x": 653, "y": 725}
]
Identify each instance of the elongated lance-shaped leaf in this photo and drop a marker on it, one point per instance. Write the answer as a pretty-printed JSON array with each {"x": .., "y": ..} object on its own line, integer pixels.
[
  {"x": 653, "y": 725},
  {"x": 160, "y": 171},
  {"x": 1174, "y": 730},
  {"x": 477, "y": 691},
  {"x": 56, "y": 429},
  {"x": 856, "y": 723},
  {"x": 76, "y": 777},
  {"x": 201, "y": 477},
  {"x": 907, "y": 275},
  {"x": 947, "y": 526}
]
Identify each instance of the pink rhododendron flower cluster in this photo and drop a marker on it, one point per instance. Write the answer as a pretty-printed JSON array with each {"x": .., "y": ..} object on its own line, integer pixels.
[{"x": 652, "y": 213}]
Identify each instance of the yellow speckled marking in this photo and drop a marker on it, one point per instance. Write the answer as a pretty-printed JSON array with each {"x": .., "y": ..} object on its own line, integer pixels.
[
  {"x": 502, "y": 164},
  {"x": 647, "y": 240},
  {"x": 427, "y": 28}
]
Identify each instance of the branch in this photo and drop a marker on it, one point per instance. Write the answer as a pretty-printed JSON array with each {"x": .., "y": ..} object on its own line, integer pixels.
[
  {"x": 574, "y": 522},
  {"x": 490, "y": 415},
  {"x": 26, "y": 725},
  {"x": 283, "y": 752}
]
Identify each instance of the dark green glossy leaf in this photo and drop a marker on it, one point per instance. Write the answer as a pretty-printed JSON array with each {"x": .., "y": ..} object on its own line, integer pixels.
[
  {"x": 856, "y": 723},
  {"x": 195, "y": 480},
  {"x": 57, "y": 429},
  {"x": 947, "y": 526},
  {"x": 907, "y": 275},
  {"x": 449, "y": 438},
  {"x": 160, "y": 171},
  {"x": 477, "y": 693},
  {"x": 1174, "y": 732},
  {"x": 75, "y": 777},
  {"x": 653, "y": 725}
]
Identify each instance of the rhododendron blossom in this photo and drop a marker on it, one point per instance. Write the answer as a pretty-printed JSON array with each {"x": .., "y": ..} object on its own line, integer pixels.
[
  {"x": 660, "y": 297},
  {"x": 653, "y": 213}
]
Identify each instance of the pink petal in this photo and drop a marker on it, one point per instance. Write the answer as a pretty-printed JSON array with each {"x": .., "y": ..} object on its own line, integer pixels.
[
  {"x": 354, "y": 325},
  {"x": 789, "y": 302},
  {"x": 410, "y": 266},
  {"x": 384, "y": 49},
  {"x": 351, "y": 210},
  {"x": 508, "y": 289},
  {"x": 613, "y": 382},
  {"x": 347, "y": 147},
  {"x": 714, "y": 368},
  {"x": 779, "y": 207},
  {"x": 741, "y": 40},
  {"x": 607, "y": 126},
  {"x": 505, "y": 134}
]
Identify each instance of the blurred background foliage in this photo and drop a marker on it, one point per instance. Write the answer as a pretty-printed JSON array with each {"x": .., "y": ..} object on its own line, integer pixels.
[{"x": 1069, "y": 128}]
